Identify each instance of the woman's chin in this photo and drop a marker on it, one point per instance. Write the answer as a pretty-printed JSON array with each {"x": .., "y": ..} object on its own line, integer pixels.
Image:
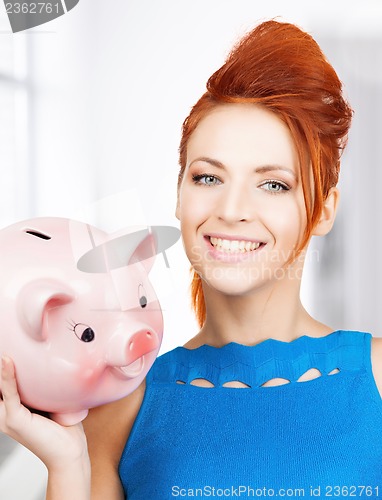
[{"x": 228, "y": 286}]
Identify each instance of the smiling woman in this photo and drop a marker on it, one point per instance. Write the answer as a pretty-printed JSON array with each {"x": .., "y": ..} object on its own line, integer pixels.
[
  {"x": 285, "y": 71},
  {"x": 260, "y": 157},
  {"x": 241, "y": 187}
]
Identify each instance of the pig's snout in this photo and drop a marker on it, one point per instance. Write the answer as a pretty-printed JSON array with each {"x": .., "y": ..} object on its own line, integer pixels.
[
  {"x": 139, "y": 344},
  {"x": 126, "y": 355}
]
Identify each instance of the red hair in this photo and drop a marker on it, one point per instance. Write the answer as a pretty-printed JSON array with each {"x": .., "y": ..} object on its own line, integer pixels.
[{"x": 282, "y": 68}]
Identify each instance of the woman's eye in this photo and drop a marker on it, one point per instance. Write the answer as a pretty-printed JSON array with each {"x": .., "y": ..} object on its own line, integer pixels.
[
  {"x": 274, "y": 186},
  {"x": 206, "y": 179}
]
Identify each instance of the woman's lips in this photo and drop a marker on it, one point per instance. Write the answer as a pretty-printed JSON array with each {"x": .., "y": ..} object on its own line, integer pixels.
[
  {"x": 231, "y": 250},
  {"x": 234, "y": 246}
]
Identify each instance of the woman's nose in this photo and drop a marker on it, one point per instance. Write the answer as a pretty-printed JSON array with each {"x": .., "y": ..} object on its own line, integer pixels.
[{"x": 235, "y": 204}]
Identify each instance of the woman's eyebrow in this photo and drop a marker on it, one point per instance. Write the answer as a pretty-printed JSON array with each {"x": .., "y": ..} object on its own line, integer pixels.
[
  {"x": 272, "y": 168},
  {"x": 260, "y": 170},
  {"x": 215, "y": 163}
]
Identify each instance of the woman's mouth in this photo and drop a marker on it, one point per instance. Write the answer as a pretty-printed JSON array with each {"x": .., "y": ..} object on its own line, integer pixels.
[{"x": 234, "y": 246}]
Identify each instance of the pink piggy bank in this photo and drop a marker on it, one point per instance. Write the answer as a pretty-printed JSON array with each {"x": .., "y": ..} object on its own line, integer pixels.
[{"x": 79, "y": 316}]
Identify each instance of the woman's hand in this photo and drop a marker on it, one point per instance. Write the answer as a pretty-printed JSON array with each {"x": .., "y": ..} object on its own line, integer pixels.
[{"x": 62, "y": 449}]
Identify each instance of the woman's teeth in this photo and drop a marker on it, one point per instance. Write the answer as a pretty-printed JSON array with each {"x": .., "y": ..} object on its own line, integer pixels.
[{"x": 233, "y": 246}]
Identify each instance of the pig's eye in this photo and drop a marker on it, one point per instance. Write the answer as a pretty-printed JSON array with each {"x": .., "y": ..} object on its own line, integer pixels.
[
  {"x": 84, "y": 332},
  {"x": 142, "y": 296}
]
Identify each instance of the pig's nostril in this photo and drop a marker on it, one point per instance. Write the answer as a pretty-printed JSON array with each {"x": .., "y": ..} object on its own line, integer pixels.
[{"x": 140, "y": 343}]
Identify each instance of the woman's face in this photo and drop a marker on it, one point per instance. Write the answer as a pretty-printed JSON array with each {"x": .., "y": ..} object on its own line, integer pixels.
[{"x": 241, "y": 203}]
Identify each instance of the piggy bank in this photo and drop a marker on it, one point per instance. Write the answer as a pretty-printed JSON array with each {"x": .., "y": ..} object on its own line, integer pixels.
[{"x": 79, "y": 317}]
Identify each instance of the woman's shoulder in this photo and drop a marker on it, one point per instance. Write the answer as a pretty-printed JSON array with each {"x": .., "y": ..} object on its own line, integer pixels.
[
  {"x": 376, "y": 359},
  {"x": 107, "y": 429},
  {"x": 109, "y": 425}
]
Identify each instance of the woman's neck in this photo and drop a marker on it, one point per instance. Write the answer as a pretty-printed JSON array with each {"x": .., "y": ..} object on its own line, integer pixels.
[{"x": 272, "y": 312}]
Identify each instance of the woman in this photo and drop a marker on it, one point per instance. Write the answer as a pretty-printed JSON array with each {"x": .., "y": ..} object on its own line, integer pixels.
[{"x": 264, "y": 397}]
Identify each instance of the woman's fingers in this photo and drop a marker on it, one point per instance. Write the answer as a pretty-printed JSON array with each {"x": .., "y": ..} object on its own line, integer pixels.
[
  {"x": 55, "y": 445},
  {"x": 9, "y": 390},
  {"x": 11, "y": 410}
]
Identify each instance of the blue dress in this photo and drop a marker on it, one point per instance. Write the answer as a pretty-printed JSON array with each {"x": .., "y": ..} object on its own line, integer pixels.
[{"x": 320, "y": 438}]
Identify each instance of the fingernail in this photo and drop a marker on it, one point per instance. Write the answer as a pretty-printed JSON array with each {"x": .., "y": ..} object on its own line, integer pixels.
[{"x": 5, "y": 360}]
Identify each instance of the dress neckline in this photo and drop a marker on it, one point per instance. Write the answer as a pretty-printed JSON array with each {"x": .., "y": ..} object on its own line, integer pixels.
[
  {"x": 339, "y": 352},
  {"x": 270, "y": 340}
]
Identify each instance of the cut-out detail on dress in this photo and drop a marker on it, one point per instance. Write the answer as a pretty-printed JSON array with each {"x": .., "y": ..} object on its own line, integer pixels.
[
  {"x": 334, "y": 371},
  {"x": 275, "y": 381},
  {"x": 202, "y": 382},
  {"x": 337, "y": 353},
  {"x": 310, "y": 374},
  {"x": 307, "y": 376},
  {"x": 236, "y": 384}
]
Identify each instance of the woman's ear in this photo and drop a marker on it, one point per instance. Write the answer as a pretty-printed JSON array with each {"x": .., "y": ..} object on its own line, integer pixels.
[{"x": 328, "y": 214}]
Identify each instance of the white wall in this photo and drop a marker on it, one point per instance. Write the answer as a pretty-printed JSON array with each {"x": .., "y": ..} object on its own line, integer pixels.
[{"x": 110, "y": 84}]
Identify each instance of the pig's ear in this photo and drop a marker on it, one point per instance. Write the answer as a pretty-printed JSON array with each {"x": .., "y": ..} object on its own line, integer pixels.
[
  {"x": 35, "y": 300},
  {"x": 145, "y": 252}
]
